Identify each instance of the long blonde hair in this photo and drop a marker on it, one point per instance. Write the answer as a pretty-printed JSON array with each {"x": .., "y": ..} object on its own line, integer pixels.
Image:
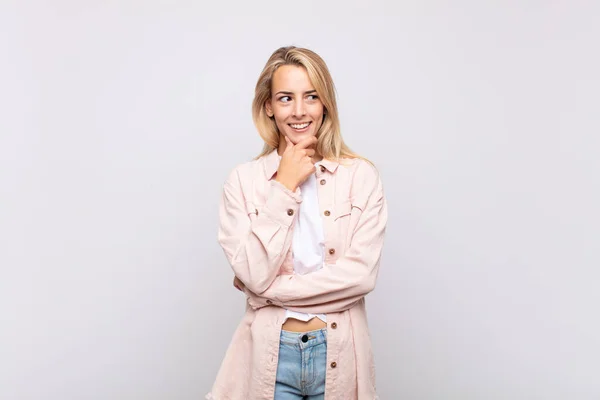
[{"x": 330, "y": 144}]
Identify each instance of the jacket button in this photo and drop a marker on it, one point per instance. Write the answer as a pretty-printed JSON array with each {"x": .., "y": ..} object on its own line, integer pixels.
[
  {"x": 323, "y": 181},
  {"x": 331, "y": 251},
  {"x": 333, "y": 364},
  {"x": 290, "y": 212},
  {"x": 322, "y": 168},
  {"x": 269, "y": 302},
  {"x": 327, "y": 213},
  {"x": 333, "y": 325}
]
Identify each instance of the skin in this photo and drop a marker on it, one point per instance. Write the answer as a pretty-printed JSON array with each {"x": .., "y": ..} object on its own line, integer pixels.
[{"x": 294, "y": 100}]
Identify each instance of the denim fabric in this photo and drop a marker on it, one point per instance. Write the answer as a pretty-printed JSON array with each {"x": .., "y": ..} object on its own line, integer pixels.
[
  {"x": 257, "y": 215},
  {"x": 302, "y": 366}
]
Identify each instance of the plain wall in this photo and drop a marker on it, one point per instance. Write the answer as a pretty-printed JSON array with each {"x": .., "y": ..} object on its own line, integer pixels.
[{"x": 119, "y": 122}]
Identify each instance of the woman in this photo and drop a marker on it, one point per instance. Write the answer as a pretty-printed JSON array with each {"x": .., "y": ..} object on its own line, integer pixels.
[{"x": 302, "y": 227}]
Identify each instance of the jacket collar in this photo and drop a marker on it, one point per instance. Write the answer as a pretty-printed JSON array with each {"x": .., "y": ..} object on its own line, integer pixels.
[{"x": 273, "y": 159}]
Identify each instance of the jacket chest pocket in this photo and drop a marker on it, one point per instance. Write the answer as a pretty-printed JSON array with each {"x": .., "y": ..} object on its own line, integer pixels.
[{"x": 346, "y": 217}]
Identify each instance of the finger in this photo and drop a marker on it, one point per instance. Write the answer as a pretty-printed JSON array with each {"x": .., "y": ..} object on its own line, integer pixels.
[
  {"x": 237, "y": 283},
  {"x": 309, "y": 141},
  {"x": 288, "y": 142},
  {"x": 310, "y": 152}
]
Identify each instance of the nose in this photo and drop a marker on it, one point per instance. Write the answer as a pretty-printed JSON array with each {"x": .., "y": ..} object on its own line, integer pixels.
[{"x": 299, "y": 108}]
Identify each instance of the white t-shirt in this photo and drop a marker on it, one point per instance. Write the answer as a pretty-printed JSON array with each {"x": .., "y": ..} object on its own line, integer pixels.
[{"x": 308, "y": 240}]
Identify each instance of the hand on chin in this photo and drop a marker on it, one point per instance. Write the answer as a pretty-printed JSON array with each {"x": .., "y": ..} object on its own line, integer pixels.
[{"x": 298, "y": 137}]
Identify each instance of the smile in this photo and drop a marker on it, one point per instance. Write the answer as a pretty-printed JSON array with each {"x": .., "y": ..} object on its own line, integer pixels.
[{"x": 300, "y": 127}]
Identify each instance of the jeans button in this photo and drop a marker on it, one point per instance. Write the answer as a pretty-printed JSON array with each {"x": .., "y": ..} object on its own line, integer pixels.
[{"x": 305, "y": 338}]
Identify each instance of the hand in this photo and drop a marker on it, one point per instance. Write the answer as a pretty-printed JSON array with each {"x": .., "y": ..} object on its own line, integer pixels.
[
  {"x": 238, "y": 284},
  {"x": 296, "y": 163}
]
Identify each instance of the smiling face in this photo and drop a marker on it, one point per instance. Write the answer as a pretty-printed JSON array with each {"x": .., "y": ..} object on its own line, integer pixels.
[{"x": 294, "y": 103}]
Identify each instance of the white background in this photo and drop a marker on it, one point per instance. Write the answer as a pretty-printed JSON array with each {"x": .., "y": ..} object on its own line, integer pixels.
[{"x": 119, "y": 122}]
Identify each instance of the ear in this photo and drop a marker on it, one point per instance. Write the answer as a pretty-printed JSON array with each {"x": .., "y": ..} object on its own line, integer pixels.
[{"x": 269, "y": 108}]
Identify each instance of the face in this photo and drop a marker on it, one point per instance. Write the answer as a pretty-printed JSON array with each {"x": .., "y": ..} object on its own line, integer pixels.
[{"x": 294, "y": 103}]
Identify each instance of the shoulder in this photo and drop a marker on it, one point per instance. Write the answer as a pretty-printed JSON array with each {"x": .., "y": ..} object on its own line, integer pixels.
[
  {"x": 363, "y": 180},
  {"x": 360, "y": 169},
  {"x": 246, "y": 171}
]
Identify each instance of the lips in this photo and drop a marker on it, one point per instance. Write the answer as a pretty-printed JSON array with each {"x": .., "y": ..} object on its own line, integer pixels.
[{"x": 301, "y": 126}]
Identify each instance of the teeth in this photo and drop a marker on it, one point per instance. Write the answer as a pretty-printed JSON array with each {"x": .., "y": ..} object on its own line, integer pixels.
[{"x": 299, "y": 126}]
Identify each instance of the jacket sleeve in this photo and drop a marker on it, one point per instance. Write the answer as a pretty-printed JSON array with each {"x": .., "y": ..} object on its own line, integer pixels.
[
  {"x": 256, "y": 246},
  {"x": 338, "y": 286}
]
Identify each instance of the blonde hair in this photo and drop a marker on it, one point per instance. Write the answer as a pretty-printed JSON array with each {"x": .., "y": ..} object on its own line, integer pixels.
[{"x": 330, "y": 144}]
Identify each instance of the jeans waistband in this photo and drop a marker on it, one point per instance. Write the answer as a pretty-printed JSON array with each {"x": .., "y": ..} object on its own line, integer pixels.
[{"x": 313, "y": 338}]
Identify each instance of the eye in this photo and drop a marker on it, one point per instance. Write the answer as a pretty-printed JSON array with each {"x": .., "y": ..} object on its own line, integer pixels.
[
  {"x": 312, "y": 97},
  {"x": 285, "y": 99}
]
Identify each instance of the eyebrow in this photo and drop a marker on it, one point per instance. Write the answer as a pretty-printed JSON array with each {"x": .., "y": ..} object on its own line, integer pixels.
[{"x": 289, "y": 93}]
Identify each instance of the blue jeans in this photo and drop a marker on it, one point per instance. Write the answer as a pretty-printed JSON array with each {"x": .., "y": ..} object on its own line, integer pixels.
[{"x": 302, "y": 365}]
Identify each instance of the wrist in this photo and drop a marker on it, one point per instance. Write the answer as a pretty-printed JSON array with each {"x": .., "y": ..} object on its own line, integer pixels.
[{"x": 287, "y": 184}]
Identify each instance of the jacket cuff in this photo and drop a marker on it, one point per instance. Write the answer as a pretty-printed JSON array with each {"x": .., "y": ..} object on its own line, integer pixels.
[
  {"x": 282, "y": 204},
  {"x": 297, "y": 195}
]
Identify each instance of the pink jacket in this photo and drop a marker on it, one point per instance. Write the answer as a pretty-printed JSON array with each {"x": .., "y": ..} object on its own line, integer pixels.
[{"x": 256, "y": 224}]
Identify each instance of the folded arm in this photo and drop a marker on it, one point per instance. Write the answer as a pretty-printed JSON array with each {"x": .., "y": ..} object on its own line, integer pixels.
[
  {"x": 256, "y": 246},
  {"x": 338, "y": 286}
]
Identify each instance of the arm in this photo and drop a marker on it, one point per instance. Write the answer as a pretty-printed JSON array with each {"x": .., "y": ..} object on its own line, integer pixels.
[
  {"x": 256, "y": 248},
  {"x": 339, "y": 286}
]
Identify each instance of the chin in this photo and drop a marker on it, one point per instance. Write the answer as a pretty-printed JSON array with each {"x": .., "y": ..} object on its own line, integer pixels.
[{"x": 296, "y": 137}]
